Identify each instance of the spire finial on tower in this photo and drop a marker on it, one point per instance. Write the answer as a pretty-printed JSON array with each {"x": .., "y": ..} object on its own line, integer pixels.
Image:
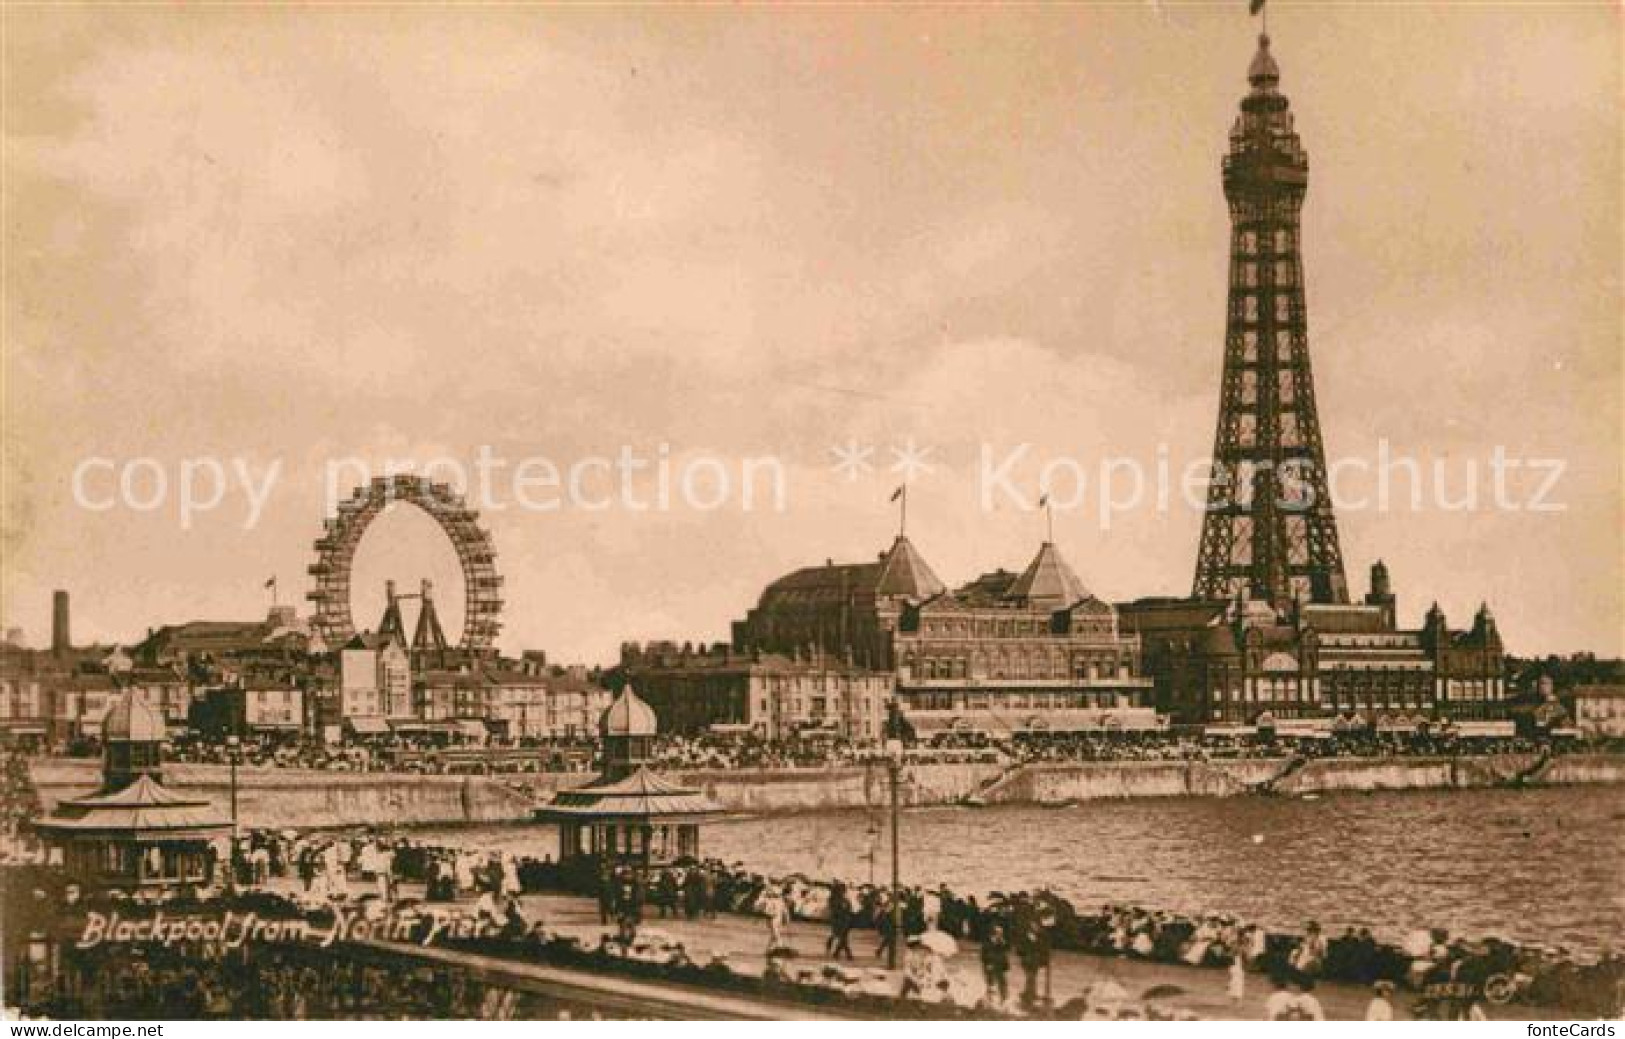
[{"x": 1263, "y": 73}]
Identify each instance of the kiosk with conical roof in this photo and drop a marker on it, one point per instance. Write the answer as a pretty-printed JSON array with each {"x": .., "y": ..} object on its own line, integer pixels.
[
  {"x": 628, "y": 816},
  {"x": 135, "y": 832}
]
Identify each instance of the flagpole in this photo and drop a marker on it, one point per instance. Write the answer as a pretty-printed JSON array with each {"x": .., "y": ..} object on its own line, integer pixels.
[{"x": 902, "y": 522}]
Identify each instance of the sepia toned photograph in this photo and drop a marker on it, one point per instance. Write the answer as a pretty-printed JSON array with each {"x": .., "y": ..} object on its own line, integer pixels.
[{"x": 615, "y": 512}]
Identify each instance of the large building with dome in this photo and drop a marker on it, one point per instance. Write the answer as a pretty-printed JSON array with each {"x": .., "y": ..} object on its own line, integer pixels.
[
  {"x": 1242, "y": 662},
  {"x": 1008, "y": 652}
]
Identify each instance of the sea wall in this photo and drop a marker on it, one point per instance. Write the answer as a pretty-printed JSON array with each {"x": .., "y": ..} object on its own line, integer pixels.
[
  {"x": 1369, "y": 774},
  {"x": 772, "y": 790},
  {"x": 1582, "y": 768},
  {"x": 1095, "y": 780},
  {"x": 278, "y": 798},
  {"x": 296, "y": 798}
]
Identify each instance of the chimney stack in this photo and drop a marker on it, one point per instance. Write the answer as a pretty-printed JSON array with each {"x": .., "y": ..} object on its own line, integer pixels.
[{"x": 61, "y": 640}]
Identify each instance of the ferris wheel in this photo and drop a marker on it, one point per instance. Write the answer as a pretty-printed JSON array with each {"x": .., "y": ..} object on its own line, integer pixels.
[{"x": 476, "y": 554}]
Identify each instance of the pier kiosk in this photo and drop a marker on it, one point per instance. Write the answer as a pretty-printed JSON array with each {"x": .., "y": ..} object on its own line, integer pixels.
[
  {"x": 135, "y": 833},
  {"x": 628, "y": 816}
]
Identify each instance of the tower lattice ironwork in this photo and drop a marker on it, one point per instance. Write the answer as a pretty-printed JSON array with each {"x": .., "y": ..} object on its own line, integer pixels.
[{"x": 1269, "y": 530}]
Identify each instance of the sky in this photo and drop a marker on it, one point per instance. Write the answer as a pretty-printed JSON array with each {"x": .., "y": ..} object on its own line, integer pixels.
[{"x": 277, "y": 237}]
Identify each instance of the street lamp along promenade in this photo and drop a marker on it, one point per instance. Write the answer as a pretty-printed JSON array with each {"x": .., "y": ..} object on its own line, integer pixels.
[{"x": 894, "y": 769}]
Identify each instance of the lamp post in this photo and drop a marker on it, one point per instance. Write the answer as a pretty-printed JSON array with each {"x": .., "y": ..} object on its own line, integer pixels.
[
  {"x": 232, "y": 746},
  {"x": 894, "y": 769},
  {"x": 894, "y": 766}
]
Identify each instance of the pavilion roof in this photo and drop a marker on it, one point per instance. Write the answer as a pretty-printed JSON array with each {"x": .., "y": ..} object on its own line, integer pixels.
[
  {"x": 1049, "y": 581},
  {"x": 641, "y": 795},
  {"x": 143, "y": 809}
]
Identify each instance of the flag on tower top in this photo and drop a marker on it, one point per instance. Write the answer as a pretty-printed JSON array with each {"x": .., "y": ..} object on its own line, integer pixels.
[
  {"x": 898, "y": 493},
  {"x": 1254, "y": 6}
]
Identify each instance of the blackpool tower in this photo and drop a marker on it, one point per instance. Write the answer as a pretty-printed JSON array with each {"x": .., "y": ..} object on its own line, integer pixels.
[{"x": 1268, "y": 532}]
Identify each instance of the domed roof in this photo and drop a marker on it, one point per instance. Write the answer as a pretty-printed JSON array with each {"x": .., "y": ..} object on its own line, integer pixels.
[
  {"x": 1263, "y": 71},
  {"x": 628, "y": 716},
  {"x": 131, "y": 720}
]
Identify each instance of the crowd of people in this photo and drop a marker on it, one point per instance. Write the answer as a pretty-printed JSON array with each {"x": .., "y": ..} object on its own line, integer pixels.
[
  {"x": 438, "y": 754},
  {"x": 717, "y": 751},
  {"x": 745, "y": 751},
  {"x": 1162, "y": 746},
  {"x": 428, "y": 755},
  {"x": 1020, "y": 929},
  {"x": 267, "y": 752},
  {"x": 1015, "y": 935}
]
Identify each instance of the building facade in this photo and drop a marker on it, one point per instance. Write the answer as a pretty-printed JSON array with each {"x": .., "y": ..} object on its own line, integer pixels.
[
  {"x": 511, "y": 704},
  {"x": 772, "y": 695},
  {"x": 375, "y": 677},
  {"x": 1240, "y": 661},
  {"x": 165, "y": 689},
  {"x": 1599, "y": 710},
  {"x": 1007, "y": 653}
]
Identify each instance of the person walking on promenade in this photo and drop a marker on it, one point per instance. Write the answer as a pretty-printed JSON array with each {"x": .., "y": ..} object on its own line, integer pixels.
[
  {"x": 1292, "y": 999},
  {"x": 442, "y": 882},
  {"x": 1308, "y": 1005},
  {"x": 1237, "y": 989},
  {"x": 777, "y": 912},
  {"x": 694, "y": 893},
  {"x": 1380, "y": 1008},
  {"x": 1280, "y": 1005},
  {"x": 606, "y": 898},
  {"x": 307, "y": 868},
  {"x": 1032, "y": 949},
  {"x": 1254, "y": 944},
  {"x": 1310, "y": 954},
  {"x": 384, "y": 862},
  {"x": 840, "y": 923},
  {"x": 629, "y": 907},
  {"x": 996, "y": 965},
  {"x": 708, "y": 893},
  {"x": 930, "y": 910},
  {"x": 885, "y": 932},
  {"x": 510, "y": 876}
]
